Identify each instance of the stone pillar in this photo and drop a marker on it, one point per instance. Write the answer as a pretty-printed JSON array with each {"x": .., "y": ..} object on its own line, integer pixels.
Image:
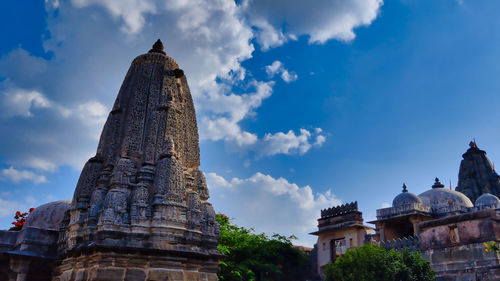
[
  {"x": 381, "y": 230},
  {"x": 415, "y": 221},
  {"x": 139, "y": 210},
  {"x": 19, "y": 268}
]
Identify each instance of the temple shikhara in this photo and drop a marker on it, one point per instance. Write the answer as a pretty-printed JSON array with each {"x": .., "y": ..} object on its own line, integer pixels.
[
  {"x": 447, "y": 226},
  {"x": 140, "y": 209}
]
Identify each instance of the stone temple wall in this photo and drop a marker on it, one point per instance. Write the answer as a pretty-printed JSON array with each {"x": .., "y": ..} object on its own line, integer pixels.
[{"x": 454, "y": 245}]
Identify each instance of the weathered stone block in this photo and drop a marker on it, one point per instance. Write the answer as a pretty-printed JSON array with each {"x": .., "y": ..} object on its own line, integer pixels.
[
  {"x": 193, "y": 276},
  {"x": 466, "y": 277},
  {"x": 67, "y": 275},
  {"x": 164, "y": 274},
  {"x": 137, "y": 262},
  {"x": 81, "y": 275},
  {"x": 212, "y": 277},
  {"x": 135, "y": 274},
  {"x": 107, "y": 274}
]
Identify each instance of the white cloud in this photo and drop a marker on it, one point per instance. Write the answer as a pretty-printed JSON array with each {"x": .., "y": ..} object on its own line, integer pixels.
[
  {"x": 131, "y": 12},
  {"x": 289, "y": 143},
  {"x": 320, "y": 139},
  {"x": 52, "y": 135},
  {"x": 226, "y": 111},
  {"x": 92, "y": 112},
  {"x": 277, "y": 67},
  {"x": 288, "y": 77},
  {"x": 20, "y": 102},
  {"x": 40, "y": 164},
  {"x": 274, "y": 68},
  {"x": 280, "y": 20},
  {"x": 268, "y": 36},
  {"x": 16, "y": 176},
  {"x": 386, "y": 205},
  {"x": 270, "y": 204},
  {"x": 217, "y": 181}
]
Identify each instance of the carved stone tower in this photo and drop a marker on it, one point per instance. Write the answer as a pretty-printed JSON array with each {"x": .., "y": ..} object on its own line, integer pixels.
[
  {"x": 140, "y": 210},
  {"x": 476, "y": 175}
]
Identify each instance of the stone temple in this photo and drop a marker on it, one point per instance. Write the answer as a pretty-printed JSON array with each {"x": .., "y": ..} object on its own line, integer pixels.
[
  {"x": 140, "y": 210},
  {"x": 447, "y": 226}
]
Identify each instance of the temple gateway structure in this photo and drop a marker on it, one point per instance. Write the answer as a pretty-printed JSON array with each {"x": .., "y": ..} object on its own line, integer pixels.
[{"x": 140, "y": 210}]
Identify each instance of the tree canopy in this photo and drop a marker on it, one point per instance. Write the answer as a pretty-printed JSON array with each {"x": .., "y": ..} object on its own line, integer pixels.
[
  {"x": 250, "y": 256},
  {"x": 374, "y": 263}
]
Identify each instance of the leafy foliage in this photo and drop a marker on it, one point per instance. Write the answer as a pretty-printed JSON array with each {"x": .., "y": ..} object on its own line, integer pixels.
[
  {"x": 374, "y": 263},
  {"x": 250, "y": 256},
  {"x": 20, "y": 220},
  {"x": 491, "y": 246}
]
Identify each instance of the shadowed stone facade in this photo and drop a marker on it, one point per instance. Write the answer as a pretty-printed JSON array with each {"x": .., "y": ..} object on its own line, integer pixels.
[
  {"x": 140, "y": 210},
  {"x": 477, "y": 175}
]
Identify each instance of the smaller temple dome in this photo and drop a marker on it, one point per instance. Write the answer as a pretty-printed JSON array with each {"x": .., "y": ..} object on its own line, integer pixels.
[
  {"x": 487, "y": 199},
  {"x": 405, "y": 198},
  {"x": 48, "y": 216},
  {"x": 440, "y": 198}
]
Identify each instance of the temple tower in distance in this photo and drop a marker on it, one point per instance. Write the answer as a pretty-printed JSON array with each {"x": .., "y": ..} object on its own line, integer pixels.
[
  {"x": 140, "y": 210},
  {"x": 477, "y": 175}
]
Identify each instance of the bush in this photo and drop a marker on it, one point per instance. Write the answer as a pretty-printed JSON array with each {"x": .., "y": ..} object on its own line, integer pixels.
[
  {"x": 250, "y": 256},
  {"x": 374, "y": 263}
]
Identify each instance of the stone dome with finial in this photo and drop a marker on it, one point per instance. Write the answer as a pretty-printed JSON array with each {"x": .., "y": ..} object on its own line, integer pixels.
[
  {"x": 488, "y": 200},
  {"x": 440, "y": 198},
  {"x": 157, "y": 47},
  {"x": 405, "y": 198},
  {"x": 157, "y": 55}
]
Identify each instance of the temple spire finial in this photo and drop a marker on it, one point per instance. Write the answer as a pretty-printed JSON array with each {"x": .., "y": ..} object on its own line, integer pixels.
[
  {"x": 437, "y": 184},
  {"x": 473, "y": 144},
  {"x": 157, "y": 47},
  {"x": 404, "y": 188}
]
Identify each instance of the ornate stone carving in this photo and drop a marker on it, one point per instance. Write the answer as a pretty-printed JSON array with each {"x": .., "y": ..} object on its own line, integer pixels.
[{"x": 143, "y": 190}]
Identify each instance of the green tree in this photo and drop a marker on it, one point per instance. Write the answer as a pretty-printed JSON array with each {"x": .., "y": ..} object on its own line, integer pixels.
[
  {"x": 250, "y": 256},
  {"x": 374, "y": 263}
]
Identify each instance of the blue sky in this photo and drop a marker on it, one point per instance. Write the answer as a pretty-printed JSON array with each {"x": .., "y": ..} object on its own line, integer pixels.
[{"x": 300, "y": 107}]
